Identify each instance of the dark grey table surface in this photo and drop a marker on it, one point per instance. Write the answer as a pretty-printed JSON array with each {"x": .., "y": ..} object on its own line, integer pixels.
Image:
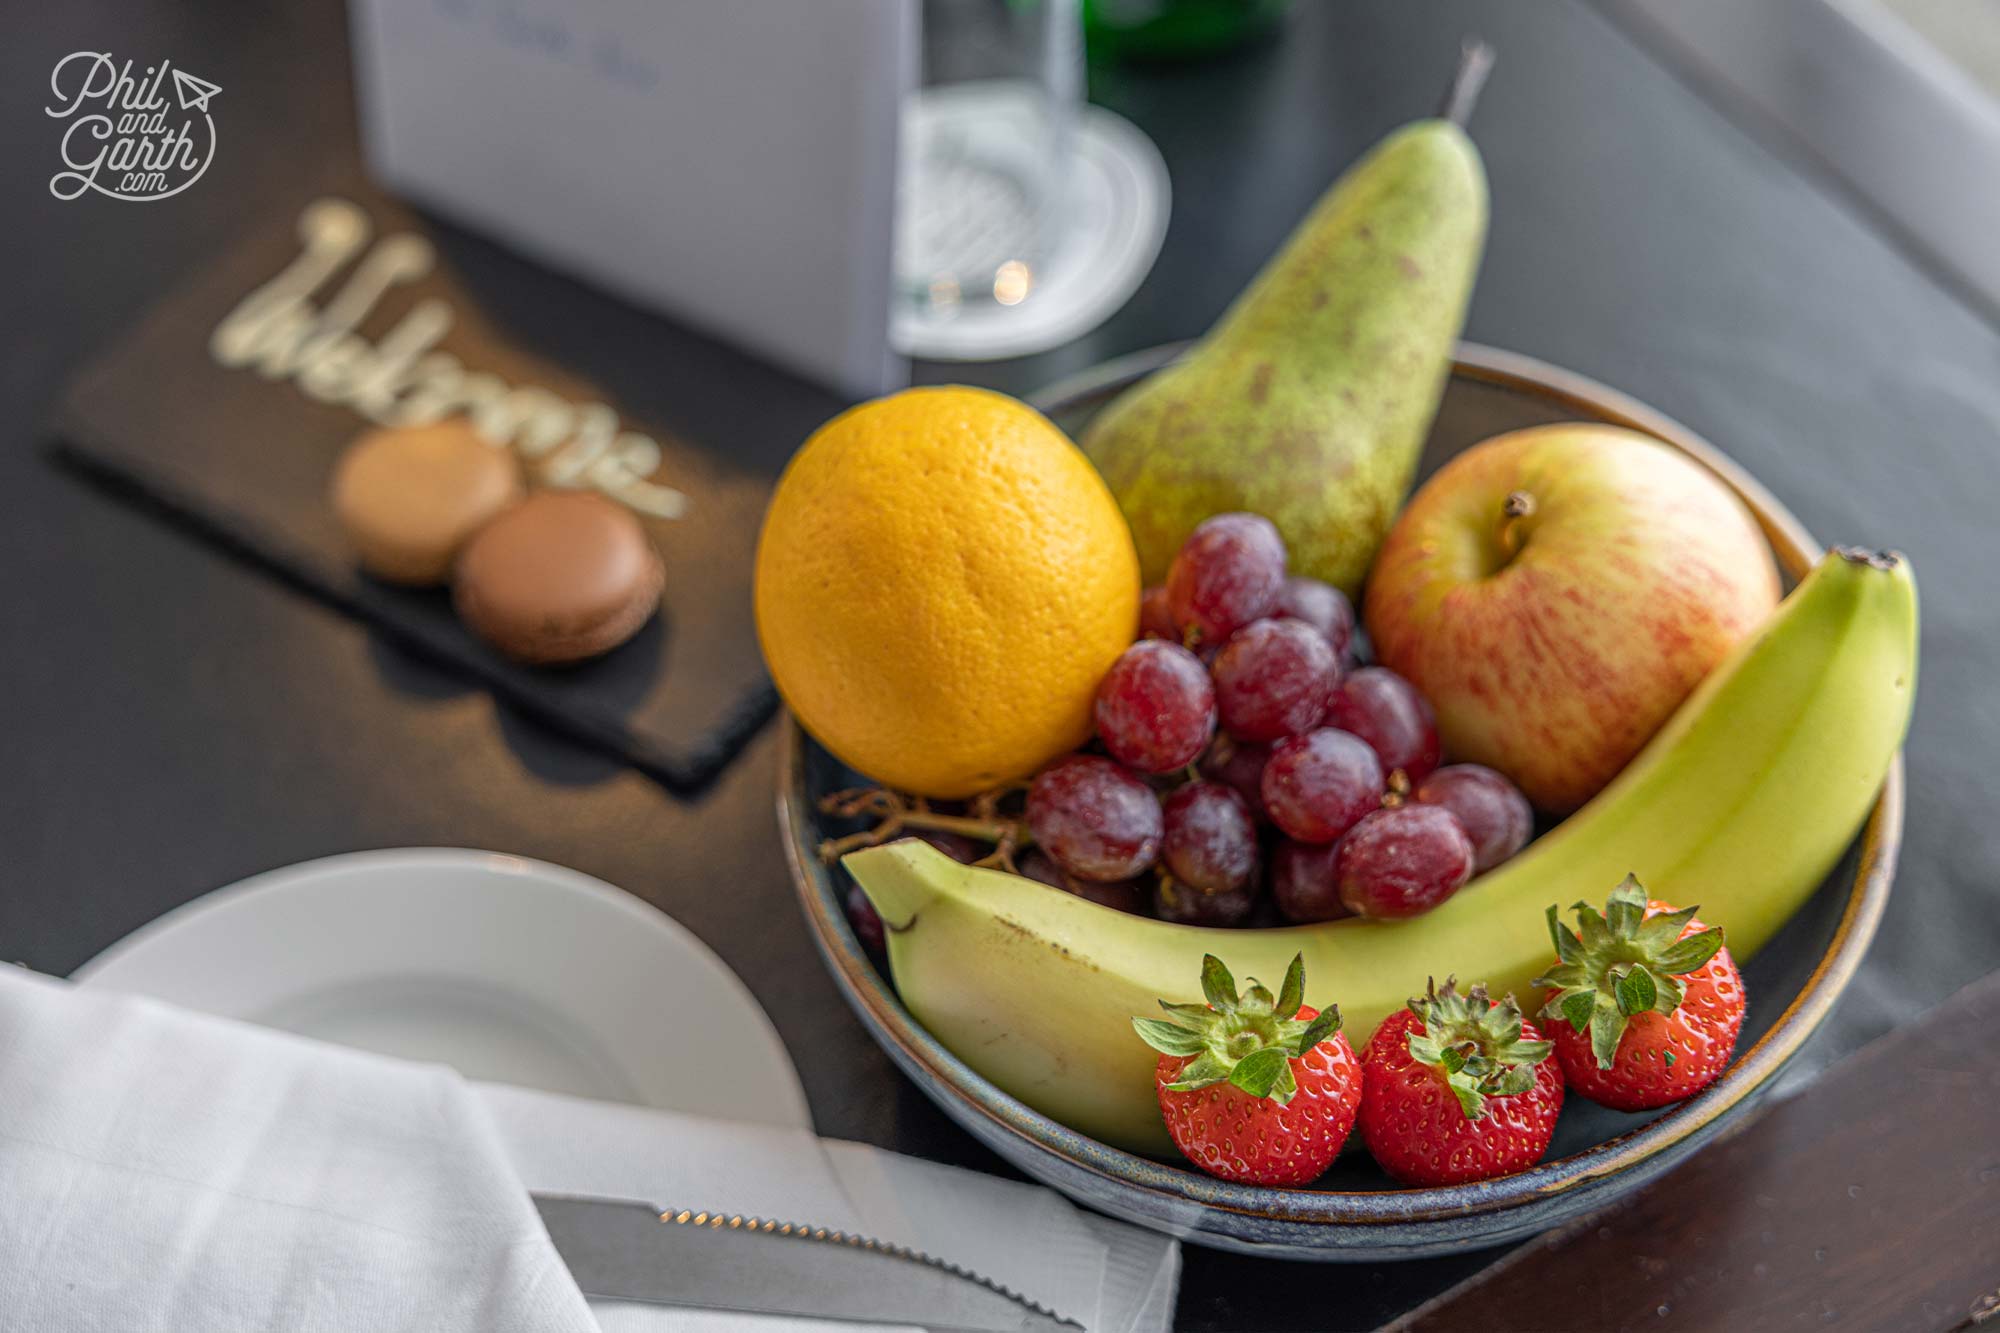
[{"x": 172, "y": 719}]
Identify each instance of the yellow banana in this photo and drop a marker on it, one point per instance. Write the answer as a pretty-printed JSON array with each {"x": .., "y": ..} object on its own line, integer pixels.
[{"x": 1742, "y": 804}]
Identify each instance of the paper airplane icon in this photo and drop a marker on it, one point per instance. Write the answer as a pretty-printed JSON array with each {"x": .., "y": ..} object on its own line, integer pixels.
[{"x": 194, "y": 93}]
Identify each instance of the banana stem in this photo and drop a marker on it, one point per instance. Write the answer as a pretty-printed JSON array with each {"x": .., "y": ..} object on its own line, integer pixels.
[
  {"x": 1475, "y": 62},
  {"x": 1862, "y": 555}
]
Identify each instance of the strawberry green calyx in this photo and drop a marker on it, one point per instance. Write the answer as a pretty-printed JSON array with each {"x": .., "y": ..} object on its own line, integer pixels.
[
  {"x": 1622, "y": 964},
  {"x": 1475, "y": 1043},
  {"x": 1248, "y": 1041}
]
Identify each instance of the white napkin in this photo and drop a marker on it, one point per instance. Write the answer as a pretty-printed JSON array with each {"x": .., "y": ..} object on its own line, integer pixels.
[{"x": 163, "y": 1170}]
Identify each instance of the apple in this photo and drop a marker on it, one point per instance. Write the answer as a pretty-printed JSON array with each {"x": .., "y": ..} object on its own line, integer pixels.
[{"x": 1556, "y": 592}]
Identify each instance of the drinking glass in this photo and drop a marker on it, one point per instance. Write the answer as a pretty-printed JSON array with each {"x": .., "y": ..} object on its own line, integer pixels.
[{"x": 985, "y": 143}]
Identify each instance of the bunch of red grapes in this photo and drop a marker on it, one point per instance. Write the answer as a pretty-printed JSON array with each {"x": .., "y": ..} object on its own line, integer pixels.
[{"x": 1249, "y": 755}]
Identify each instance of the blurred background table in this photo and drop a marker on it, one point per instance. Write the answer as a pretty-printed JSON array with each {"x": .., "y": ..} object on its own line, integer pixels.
[{"x": 174, "y": 719}]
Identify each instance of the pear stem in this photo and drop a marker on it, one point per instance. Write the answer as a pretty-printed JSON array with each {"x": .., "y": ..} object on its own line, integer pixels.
[{"x": 1475, "y": 62}]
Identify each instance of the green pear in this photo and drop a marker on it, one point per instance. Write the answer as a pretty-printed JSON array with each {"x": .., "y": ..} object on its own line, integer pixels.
[{"x": 1310, "y": 401}]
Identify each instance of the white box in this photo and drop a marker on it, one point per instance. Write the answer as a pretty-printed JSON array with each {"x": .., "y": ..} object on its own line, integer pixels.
[{"x": 731, "y": 162}]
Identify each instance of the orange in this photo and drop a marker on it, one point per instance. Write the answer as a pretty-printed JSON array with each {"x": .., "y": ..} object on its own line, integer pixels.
[{"x": 942, "y": 581}]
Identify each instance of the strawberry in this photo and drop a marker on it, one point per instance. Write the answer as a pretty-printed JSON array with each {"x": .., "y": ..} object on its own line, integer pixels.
[
  {"x": 1458, "y": 1088},
  {"x": 1254, "y": 1089},
  {"x": 1646, "y": 1003}
]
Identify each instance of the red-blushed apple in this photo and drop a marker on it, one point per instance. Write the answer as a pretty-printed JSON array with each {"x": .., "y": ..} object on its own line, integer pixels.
[{"x": 1556, "y": 592}]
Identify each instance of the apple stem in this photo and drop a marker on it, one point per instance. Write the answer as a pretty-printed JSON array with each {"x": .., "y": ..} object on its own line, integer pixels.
[
  {"x": 1518, "y": 505},
  {"x": 1475, "y": 62}
]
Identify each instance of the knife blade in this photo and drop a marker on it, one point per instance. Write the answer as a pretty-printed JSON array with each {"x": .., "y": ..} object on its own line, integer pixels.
[{"x": 621, "y": 1250}]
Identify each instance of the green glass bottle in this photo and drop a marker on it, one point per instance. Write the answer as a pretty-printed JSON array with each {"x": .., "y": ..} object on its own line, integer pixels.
[{"x": 1175, "y": 29}]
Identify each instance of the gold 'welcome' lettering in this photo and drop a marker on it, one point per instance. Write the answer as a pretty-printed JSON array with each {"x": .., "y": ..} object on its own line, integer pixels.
[{"x": 401, "y": 380}]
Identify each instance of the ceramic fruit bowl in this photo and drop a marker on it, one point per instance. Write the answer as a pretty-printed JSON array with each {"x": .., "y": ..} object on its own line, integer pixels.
[{"x": 1355, "y": 1212}]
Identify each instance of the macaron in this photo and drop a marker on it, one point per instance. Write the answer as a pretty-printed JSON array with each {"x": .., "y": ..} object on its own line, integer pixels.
[
  {"x": 409, "y": 498},
  {"x": 560, "y": 577}
]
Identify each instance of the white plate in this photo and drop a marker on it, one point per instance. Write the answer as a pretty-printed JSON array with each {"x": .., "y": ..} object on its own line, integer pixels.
[{"x": 509, "y": 970}]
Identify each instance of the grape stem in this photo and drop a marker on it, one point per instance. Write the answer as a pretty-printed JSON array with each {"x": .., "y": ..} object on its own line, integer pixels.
[{"x": 896, "y": 812}]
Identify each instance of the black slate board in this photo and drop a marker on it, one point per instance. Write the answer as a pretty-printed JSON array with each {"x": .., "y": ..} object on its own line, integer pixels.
[{"x": 244, "y": 456}]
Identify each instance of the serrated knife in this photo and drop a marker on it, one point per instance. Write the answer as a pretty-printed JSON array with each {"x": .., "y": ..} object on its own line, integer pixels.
[{"x": 620, "y": 1250}]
